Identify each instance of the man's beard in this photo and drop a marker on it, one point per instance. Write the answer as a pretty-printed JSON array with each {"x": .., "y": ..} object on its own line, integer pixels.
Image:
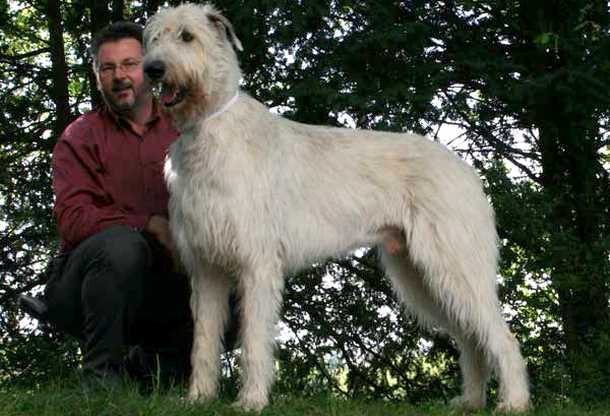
[{"x": 120, "y": 105}]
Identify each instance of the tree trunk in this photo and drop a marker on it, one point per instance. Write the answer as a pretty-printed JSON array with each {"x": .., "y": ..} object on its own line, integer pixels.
[
  {"x": 577, "y": 213},
  {"x": 59, "y": 69},
  {"x": 574, "y": 180}
]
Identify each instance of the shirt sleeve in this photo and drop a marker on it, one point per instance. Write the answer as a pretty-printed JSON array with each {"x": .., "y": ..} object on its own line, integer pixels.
[{"x": 82, "y": 206}]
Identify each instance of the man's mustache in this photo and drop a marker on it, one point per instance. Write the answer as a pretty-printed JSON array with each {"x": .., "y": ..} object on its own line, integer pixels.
[{"x": 119, "y": 86}]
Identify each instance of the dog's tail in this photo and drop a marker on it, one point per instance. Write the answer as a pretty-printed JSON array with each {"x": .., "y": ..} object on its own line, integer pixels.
[{"x": 451, "y": 239}]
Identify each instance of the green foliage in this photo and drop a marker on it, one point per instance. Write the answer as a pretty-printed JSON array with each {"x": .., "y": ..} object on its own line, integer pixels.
[
  {"x": 65, "y": 397},
  {"x": 33, "y": 359}
]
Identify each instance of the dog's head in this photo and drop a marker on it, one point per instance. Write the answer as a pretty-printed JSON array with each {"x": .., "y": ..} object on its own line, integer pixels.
[{"x": 189, "y": 53}]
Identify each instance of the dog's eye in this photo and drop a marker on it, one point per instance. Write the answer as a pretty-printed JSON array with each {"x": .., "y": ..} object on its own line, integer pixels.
[{"x": 186, "y": 36}]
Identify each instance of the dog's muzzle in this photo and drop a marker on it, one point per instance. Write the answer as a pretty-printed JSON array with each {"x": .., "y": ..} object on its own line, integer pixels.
[{"x": 170, "y": 94}]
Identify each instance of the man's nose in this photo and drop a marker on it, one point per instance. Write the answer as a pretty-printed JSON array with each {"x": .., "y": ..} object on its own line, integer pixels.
[{"x": 120, "y": 72}]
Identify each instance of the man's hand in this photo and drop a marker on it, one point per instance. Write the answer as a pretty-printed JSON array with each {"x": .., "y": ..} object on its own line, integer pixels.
[{"x": 159, "y": 228}]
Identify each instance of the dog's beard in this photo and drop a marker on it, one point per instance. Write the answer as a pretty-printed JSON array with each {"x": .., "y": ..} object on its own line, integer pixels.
[{"x": 170, "y": 95}]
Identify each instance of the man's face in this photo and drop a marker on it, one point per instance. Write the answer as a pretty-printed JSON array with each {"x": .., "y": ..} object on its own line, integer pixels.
[{"x": 119, "y": 75}]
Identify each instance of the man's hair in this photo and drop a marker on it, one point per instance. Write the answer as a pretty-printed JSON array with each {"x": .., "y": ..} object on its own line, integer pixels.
[{"x": 112, "y": 33}]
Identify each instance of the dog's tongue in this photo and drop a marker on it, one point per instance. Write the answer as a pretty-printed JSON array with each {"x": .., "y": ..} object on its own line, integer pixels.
[{"x": 168, "y": 94}]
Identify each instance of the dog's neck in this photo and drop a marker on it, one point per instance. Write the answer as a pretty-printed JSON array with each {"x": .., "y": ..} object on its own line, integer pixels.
[
  {"x": 191, "y": 120},
  {"x": 224, "y": 107}
]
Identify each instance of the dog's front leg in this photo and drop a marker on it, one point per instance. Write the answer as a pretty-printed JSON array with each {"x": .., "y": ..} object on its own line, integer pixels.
[
  {"x": 261, "y": 288},
  {"x": 210, "y": 289}
]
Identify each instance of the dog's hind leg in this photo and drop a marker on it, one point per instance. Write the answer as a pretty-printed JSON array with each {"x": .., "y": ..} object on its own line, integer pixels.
[
  {"x": 490, "y": 335},
  {"x": 476, "y": 370},
  {"x": 417, "y": 299},
  {"x": 260, "y": 290},
  {"x": 458, "y": 266},
  {"x": 210, "y": 290}
]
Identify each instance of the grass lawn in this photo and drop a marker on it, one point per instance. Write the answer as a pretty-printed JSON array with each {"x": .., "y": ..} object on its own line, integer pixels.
[{"x": 69, "y": 398}]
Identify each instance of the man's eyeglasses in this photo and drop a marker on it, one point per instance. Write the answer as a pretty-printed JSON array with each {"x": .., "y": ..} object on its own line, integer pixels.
[{"x": 127, "y": 66}]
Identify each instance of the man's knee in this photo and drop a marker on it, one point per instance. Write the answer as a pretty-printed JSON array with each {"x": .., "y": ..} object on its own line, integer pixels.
[
  {"x": 120, "y": 252},
  {"x": 103, "y": 274},
  {"x": 114, "y": 278}
]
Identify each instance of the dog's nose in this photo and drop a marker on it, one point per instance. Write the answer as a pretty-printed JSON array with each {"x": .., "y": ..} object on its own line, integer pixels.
[{"x": 155, "y": 69}]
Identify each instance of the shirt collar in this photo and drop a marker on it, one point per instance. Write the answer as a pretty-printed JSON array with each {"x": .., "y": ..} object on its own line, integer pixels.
[{"x": 123, "y": 123}]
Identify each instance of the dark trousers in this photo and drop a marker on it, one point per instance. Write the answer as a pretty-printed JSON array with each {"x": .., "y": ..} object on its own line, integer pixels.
[{"x": 117, "y": 289}]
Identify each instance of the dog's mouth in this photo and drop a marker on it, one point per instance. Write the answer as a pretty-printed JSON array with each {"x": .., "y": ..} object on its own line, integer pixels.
[{"x": 170, "y": 95}]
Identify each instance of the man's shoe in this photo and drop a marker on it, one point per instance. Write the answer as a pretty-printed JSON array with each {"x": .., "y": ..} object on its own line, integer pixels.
[
  {"x": 94, "y": 382},
  {"x": 35, "y": 307}
]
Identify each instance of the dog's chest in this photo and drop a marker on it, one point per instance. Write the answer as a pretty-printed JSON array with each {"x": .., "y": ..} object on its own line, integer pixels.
[{"x": 201, "y": 211}]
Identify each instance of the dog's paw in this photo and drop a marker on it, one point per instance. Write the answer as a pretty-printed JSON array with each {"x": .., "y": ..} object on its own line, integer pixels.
[
  {"x": 515, "y": 400},
  {"x": 245, "y": 406},
  {"x": 201, "y": 392},
  {"x": 519, "y": 406},
  {"x": 467, "y": 404},
  {"x": 251, "y": 402}
]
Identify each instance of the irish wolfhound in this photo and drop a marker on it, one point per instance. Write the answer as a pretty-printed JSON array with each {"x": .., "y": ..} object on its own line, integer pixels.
[{"x": 255, "y": 196}]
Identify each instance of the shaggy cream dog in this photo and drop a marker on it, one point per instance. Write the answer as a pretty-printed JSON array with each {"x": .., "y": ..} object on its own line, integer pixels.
[{"x": 257, "y": 196}]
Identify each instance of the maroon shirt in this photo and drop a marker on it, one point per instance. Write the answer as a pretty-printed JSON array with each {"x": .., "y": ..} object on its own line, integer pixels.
[{"x": 106, "y": 174}]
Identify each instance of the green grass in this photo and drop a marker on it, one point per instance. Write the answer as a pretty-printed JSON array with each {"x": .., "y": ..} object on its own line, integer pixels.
[{"x": 66, "y": 398}]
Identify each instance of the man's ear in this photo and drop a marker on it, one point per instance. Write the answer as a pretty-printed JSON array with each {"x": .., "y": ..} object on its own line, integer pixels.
[{"x": 224, "y": 26}]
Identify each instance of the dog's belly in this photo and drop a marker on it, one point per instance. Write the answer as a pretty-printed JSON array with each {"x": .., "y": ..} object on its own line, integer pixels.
[{"x": 306, "y": 239}]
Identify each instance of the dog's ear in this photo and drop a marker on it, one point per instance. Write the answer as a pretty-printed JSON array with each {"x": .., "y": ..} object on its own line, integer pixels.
[{"x": 224, "y": 26}]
